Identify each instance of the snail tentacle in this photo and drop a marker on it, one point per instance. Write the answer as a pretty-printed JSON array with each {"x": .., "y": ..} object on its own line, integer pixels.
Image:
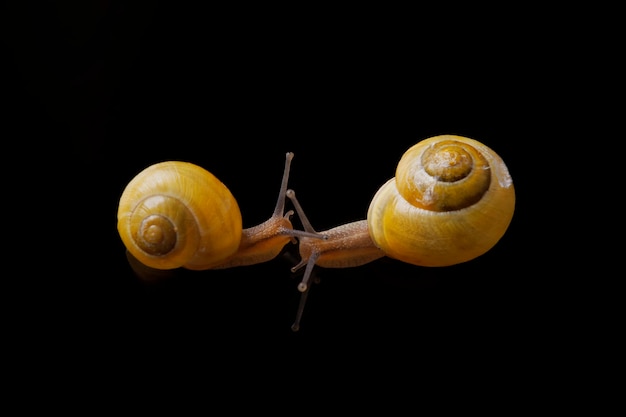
[
  {"x": 344, "y": 246},
  {"x": 265, "y": 241}
]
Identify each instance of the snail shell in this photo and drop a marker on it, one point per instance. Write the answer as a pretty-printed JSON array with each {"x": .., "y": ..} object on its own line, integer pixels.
[
  {"x": 451, "y": 200},
  {"x": 175, "y": 214}
]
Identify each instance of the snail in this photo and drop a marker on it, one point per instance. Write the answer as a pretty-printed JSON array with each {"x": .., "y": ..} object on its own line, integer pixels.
[
  {"x": 177, "y": 214},
  {"x": 451, "y": 200}
]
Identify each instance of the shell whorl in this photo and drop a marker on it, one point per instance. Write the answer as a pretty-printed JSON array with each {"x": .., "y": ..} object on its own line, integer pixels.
[
  {"x": 451, "y": 200},
  {"x": 175, "y": 214}
]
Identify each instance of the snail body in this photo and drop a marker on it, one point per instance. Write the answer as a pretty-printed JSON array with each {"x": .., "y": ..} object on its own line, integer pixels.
[
  {"x": 177, "y": 214},
  {"x": 451, "y": 200}
]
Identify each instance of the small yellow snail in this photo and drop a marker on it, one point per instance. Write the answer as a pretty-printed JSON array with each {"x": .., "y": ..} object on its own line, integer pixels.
[
  {"x": 177, "y": 214},
  {"x": 452, "y": 199}
]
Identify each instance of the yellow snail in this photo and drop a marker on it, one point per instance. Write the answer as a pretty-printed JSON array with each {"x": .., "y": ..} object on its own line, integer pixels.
[
  {"x": 451, "y": 200},
  {"x": 177, "y": 214}
]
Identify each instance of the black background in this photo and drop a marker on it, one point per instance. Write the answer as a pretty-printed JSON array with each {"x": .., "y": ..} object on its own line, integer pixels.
[{"x": 100, "y": 90}]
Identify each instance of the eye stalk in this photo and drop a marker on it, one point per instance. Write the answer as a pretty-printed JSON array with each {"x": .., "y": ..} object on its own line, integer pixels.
[{"x": 344, "y": 246}]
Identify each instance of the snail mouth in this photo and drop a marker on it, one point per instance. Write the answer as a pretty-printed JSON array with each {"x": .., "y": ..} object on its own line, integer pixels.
[{"x": 156, "y": 235}]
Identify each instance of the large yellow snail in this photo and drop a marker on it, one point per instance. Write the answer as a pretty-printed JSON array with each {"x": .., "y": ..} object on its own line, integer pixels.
[
  {"x": 451, "y": 200},
  {"x": 177, "y": 214}
]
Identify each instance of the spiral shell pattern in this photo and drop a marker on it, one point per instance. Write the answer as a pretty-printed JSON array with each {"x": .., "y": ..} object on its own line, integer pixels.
[
  {"x": 452, "y": 199},
  {"x": 177, "y": 214}
]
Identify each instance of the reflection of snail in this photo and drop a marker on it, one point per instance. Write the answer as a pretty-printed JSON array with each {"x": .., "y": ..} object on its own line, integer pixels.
[
  {"x": 177, "y": 214},
  {"x": 452, "y": 199}
]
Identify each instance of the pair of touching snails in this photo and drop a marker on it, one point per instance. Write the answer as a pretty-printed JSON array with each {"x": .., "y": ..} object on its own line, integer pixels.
[{"x": 451, "y": 200}]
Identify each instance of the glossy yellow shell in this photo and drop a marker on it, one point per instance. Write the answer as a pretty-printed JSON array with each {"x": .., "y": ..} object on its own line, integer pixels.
[
  {"x": 452, "y": 199},
  {"x": 177, "y": 214}
]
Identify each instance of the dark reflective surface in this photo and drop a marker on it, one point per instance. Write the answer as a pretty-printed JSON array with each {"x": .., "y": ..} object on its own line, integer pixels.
[{"x": 123, "y": 87}]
